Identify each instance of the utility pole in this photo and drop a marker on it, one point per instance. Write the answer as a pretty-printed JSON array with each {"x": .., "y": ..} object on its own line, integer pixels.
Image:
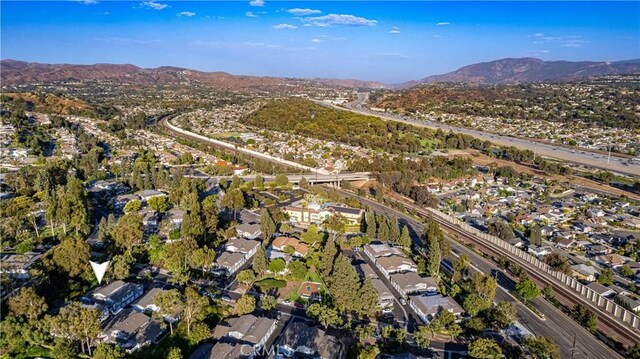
[
  {"x": 573, "y": 347},
  {"x": 609, "y": 157}
]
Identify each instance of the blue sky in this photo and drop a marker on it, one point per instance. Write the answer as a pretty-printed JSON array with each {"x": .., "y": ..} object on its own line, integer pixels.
[{"x": 385, "y": 41}]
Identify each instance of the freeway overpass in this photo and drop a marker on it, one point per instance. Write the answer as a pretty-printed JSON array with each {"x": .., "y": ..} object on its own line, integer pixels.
[{"x": 312, "y": 178}]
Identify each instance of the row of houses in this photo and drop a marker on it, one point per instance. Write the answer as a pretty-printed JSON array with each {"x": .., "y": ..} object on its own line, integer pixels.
[{"x": 238, "y": 250}]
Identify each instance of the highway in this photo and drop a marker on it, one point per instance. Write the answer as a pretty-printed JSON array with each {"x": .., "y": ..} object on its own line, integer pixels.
[
  {"x": 557, "y": 326},
  {"x": 296, "y": 178},
  {"x": 576, "y": 156}
]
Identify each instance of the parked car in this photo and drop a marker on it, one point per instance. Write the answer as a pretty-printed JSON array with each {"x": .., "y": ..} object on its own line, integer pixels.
[
  {"x": 286, "y": 302},
  {"x": 403, "y": 301}
]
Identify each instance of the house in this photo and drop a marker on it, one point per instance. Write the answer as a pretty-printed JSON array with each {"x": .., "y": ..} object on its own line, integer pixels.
[
  {"x": 146, "y": 304},
  {"x": 628, "y": 302},
  {"x": 311, "y": 214},
  {"x": 18, "y": 265},
  {"x": 352, "y": 215},
  {"x": 176, "y": 216},
  {"x": 377, "y": 249},
  {"x": 249, "y": 230},
  {"x": 113, "y": 297},
  {"x": 539, "y": 251},
  {"x": 300, "y": 340},
  {"x": 395, "y": 264},
  {"x": 309, "y": 290},
  {"x": 585, "y": 272},
  {"x": 229, "y": 262},
  {"x": 411, "y": 282},
  {"x": 385, "y": 297},
  {"x": 428, "y": 306},
  {"x": 600, "y": 289},
  {"x": 598, "y": 250},
  {"x": 147, "y": 194},
  {"x": 246, "y": 330},
  {"x": 299, "y": 249},
  {"x": 565, "y": 243},
  {"x": 365, "y": 271},
  {"x": 226, "y": 350},
  {"x": 610, "y": 260},
  {"x": 132, "y": 330},
  {"x": 149, "y": 219},
  {"x": 248, "y": 247}
]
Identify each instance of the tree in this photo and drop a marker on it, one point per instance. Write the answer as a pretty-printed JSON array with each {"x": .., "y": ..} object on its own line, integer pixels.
[
  {"x": 72, "y": 256},
  {"x": 394, "y": 230},
  {"x": 268, "y": 302},
  {"x": 277, "y": 265},
  {"x": 633, "y": 352},
  {"x": 191, "y": 226},
  {"x": 169, "y": 303},
  {"x": 327, "y": 257},
  {"x": 246, "y": 304},
  {"x": 585, "y": 317},
  {"x": 527, "y": 289},
  {"x": 535, "y": 237},
  {"x": 422, "y": 337},
  {"x": 177, "y": 258},
  {"x": 77, "y": 322},
  {"x": 363, "y": 332},
  {"x": 400, "y": 335},
  {"x": 108, "y": 351},
  {"x": 132, "y": 206},
  {"x": 557, "y": 262},
  {"x": 128, "y": 232},
  {"x": 121, "y": 265},
  {"x": 281, "y": 180},
  {"x": 311, "y": 235},
  {"x": 370, "y": 221},
  {"x": 259, "y": 181},
  {"x": 174, "y": 353},
  {"x": 28, "y": 303},
  {"x": 260, "y": 262},
  {"x": 246, "y": 277},
  {"x": 542, "y": 348},
  {"x": 485, "y": 286},
  {"x": 626, "y": 271},
  {"x": 460, "y": 268},
  {"x": 194, "y": 307},
  {"x": 203, "y": 258},
  {"x": 159, "y": 204},
  {"x": 233, "y": 201},
  {"x": 501, "y": 229},
  {"x": 606, "y": 277},
  {"x": 484, "y": 349},
  {"x": 503, "y": 314},
  {"x": 62, "y": 350},
  {"x": 367, "y": 298},
  {"x": 474, "y": 304},
  {"x": 298, "y": 270},
  {"x": 405, "y": 238},
  {"x": 267, "y": 226},
  {"x": 199, "y": 332},
  {"x": 324, "y": 314},
  {"x": 343, "y": 283},
  {"x": 210, "y": 212}
]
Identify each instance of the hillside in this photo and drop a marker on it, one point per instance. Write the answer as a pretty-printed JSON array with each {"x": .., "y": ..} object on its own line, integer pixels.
[
  {"x": 14, "y": 72},
  {"x": 526, "y": 70}
]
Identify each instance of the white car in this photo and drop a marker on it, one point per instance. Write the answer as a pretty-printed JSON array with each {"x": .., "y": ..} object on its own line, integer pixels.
[
  {"x": 286, "y": 302},
  {"x": 402, "y": 301}
]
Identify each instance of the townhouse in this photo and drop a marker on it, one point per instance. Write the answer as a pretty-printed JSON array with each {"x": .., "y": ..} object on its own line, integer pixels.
[
  {"x": 427, "y": 306},
  {"x": 113, "y": 297},
  {"x": 132, "y": 330},
  {"x": 246, "y": 330}
]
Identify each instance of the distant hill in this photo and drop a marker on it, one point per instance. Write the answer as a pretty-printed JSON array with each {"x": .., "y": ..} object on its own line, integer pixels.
[
  {"x": 14, "y": 72},
  {"x": 525, "y": 70}
]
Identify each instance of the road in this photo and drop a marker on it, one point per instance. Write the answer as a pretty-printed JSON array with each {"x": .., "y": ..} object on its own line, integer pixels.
[
  {"x": 581, "y": 157},
  {"x": 557, "y": 326}
]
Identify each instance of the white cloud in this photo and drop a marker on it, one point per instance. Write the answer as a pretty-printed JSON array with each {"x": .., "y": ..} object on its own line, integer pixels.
[
  {"x": 284, "y": 27},
  {"x": 256, "y": 3},
  {"x": 444, "y": 23},
  {"x": 128, "y": 41},
  {"x": 394, "y": 30},
  {"x": 303, "y": 12},
  {"x": 339, "y": 19},
  {"x": 564, "y": 41},
  {"x": 153, "y": 5},
  {"x": 316, "y": 40},
  {"x": 250, "y": 14},
  {"x": 186, "y": 13},
  {"x": 88, "y": 2},
  {"x": 538, "y": 34}
]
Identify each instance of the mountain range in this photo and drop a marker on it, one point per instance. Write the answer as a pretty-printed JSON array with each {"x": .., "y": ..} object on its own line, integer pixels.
[{"x": 503, "y": 71}]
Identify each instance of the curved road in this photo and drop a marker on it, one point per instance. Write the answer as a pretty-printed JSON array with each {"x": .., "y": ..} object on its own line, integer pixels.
[{"x": 581, "y": 157}]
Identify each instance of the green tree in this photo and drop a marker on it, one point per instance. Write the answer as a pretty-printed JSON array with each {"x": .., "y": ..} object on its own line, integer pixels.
[
  {"x": 542, "y": 348},
  {"x": 72, "y": 256},
  {"x": 394, "y": 229},
  {"x": 203, "y": 258},
  {"x": 259, "y": 181},
  {"x": 277, "y": 265},
  {"x": 245, "y": 305},
  {"x": 329, "y": 252},
  {"x": 298, "y": 270},
  {"x": 501, "y": 229},
  {"x": 108, "y": 351},
  {"x": 527, "y": 289},
  {"x": 405, "y": 238},
  {"x": 121, "y": 265},
  {"x": 132, "y": 206},
  {"x": 63, "y": 350},
  {"x": 370, "y": 220},
  {"x": 606, "y": 277},
  {"x": 174, "y": 353},
  {"x": 485, "y": 286},
  {"x": 503, "y": 314},
  {"x": 210, "y": 213},
  {"x": 535, "y": 237},
  {"x": 626, "y": 271},
  {"x": 194, "y": 308},
  {"x": 422, "y": 337},
  {"x": 128, "y": 233},
  {"x": 267, "y": 226},
  {"x": 484, "y": 349},
  {"x": 28, "y": 303},
  {"x": 460, "y": 268},
  {"x": 366, "y": 301},
  {"x": 268, "y": 302},
  {"x": 364, "y": 332},
  {"x": 246, "y": 277},
  {"x": 260, "y": 262},
  {"x": 324, "y": 314},
  {"x": 311, "y": 235},
  {"x": 633, "y": 352},
  {"x": 191, "y": 226},
  {"x": 169, "y": 303},
  {"x": 400, "y": 335},
  {"x": 281, "y": 180},
  {"x": 342, "y": 282},
  {"x": 159, "y": 204},
  {"x": 474, "y": 304}
]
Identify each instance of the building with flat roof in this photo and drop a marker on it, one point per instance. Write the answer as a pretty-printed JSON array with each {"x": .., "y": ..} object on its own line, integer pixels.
[
  {"x": 411, "y": 282},
  {"x": 427, "y": 306}
]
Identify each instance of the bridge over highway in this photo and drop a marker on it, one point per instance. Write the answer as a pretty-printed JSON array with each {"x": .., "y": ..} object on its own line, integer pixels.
[{"x": 312, "y": 178}]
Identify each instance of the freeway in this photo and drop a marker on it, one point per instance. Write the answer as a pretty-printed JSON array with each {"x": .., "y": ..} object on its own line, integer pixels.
[
  {"x": 577, "y": 156},
  {"x": 296, "y": 178},
  {"x": 557, "y": 326}
]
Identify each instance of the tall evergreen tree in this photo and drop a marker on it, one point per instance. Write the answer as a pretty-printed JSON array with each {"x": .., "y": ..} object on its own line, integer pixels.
[
  {"x": 405, "y": 238},
  {"x": 394, "y": 230},
  {"x": 327, "y": 258},
  {"x": 267, "y": 226},
  {"x": 370, "y": 218},
  {"x": 343, "y": 283},
  {"x": 260, "y": 264}
]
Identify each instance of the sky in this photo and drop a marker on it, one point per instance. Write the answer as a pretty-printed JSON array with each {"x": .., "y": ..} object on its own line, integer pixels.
[{"x": 390, "y": 41}]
